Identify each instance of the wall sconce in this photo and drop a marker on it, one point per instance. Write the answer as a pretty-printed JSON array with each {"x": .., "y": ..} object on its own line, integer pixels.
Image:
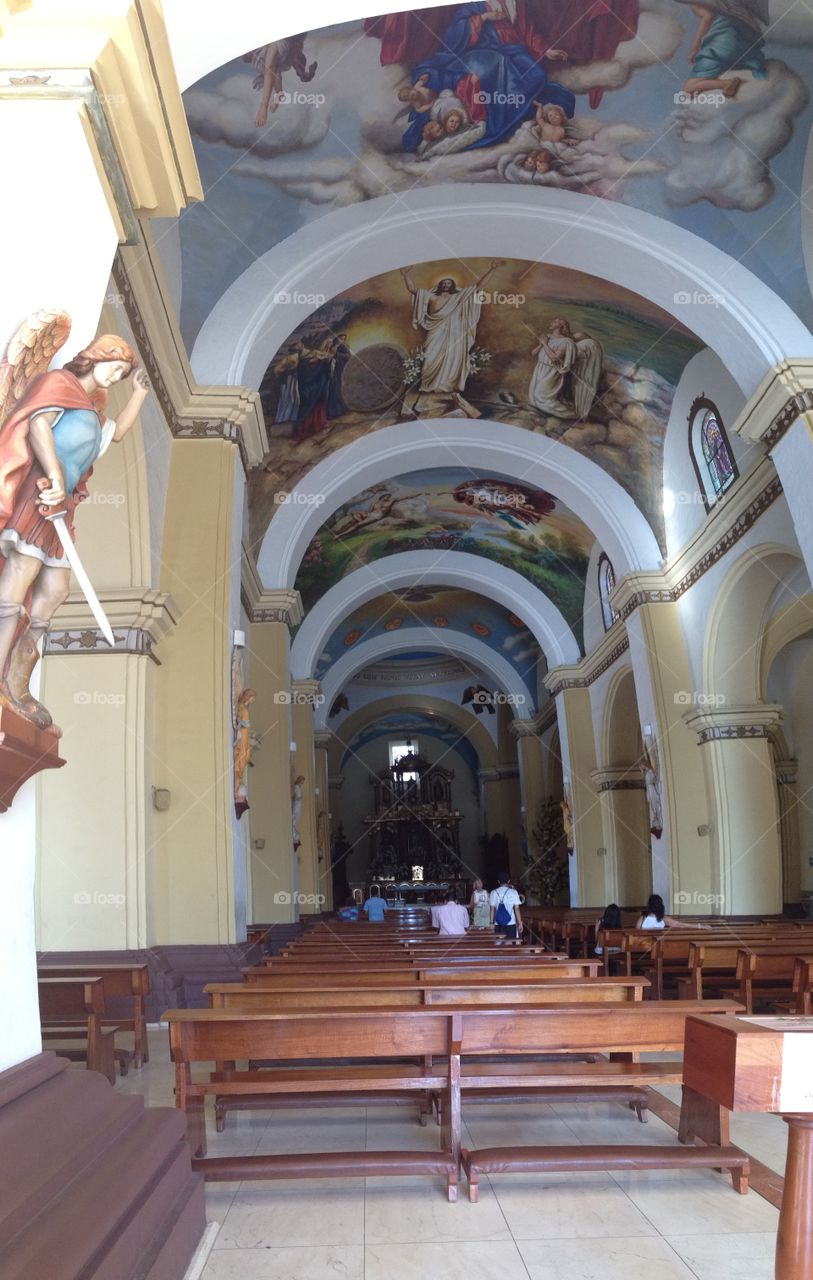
[
  {"x": 161, "y": 798},
  {"x": 259, "y": 843}
]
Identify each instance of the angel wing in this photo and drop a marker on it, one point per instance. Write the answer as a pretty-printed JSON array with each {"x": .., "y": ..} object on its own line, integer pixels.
[
  {"x": 29, "y": 353},
  {"x": 586, "y": 373}
]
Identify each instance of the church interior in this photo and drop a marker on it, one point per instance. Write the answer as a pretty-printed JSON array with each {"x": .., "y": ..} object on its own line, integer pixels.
[{"x": 406, "y": 448}]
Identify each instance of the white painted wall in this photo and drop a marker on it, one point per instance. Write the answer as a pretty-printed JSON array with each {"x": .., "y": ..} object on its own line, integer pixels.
[{"x": 19, "y": 1007}]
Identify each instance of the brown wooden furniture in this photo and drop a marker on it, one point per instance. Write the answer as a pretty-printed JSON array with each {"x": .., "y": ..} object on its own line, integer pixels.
[
  {"x": 383, "y": 974},
  {"x": 73, "y": 1009},
  {"x": 127, "y": 981},
  {"x": 744, "y": 1066}
]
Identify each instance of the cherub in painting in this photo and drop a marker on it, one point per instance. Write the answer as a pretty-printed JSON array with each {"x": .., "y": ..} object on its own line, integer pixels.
[
  {"x": 269, "y": 63},
  {"x": 52, "y": 430}
]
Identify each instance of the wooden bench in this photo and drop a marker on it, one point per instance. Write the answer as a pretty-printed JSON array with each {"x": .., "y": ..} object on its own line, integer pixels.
[
  {"x": 439, "y": 1032},
  {"x": 767, "y": 975},
  {"x": 74, "y": 1009},
  {"x": 713, "y": 964},
  {"x": 125, "y": 981},
  {"x": 803, "y": 985},
  {"x": 382, "y": 975}
]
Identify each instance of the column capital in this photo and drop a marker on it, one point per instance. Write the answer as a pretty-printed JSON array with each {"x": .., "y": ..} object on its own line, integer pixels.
[
  {"x": 620, "y": 779},
  {"x": 498, "y": 774},
  {"x": 306, "y": 691},
  {"x": 322, "y": 739},
  {"x": 757, "y": 720},
  {"x": 523, "y": 729},
  {"x": 117, "y": 67},
  {"x": 580, "y": 675},
  {"x": 140, "y": 618},
  {"x": 783, "y": 395},
  {"x": 787, "y": 772},
  {"x": 280, "y": 605},
  {"x": 336, "y": 782}
]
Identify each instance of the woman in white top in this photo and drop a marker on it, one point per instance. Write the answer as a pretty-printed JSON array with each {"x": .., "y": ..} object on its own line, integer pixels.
[
  {"x": 481, "y": 911},
  {"x": 654, "y": 916}
]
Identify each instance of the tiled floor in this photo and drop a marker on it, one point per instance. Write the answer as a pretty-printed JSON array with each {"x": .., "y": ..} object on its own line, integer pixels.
[{"x": 596, "y": 1226}]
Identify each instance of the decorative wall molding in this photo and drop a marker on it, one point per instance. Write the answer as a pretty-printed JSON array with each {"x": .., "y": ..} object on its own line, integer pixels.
[
  {"x": 139, "y": 619},
  {"x": 787, "y": 772},
  {"x": 760, "y": 720},
  {"x": 610, "y": 648},
  {"x": 307, "y": 691},
  {"x": 322, "y": 740},
  {"x": 784, "y": 394},
  {"x": 619, "y": 779},
  {"x": 500, "y": 774},
  {"x": 281, "y": 605}
]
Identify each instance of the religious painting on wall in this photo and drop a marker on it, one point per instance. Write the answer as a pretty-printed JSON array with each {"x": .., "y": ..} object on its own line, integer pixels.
[
  {"x": 556, "y": 352},
  {"x": 697, "y": 113}
]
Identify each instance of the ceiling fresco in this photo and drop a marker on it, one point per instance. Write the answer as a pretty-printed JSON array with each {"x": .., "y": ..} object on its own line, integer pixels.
[
  {"x": 418, "y": 725},
  {"x": 456, "y": 509},
  {"x": 697, "y": 113},
  {"x": 557, "y": 352},
  {"x": 444, "y": 608}
]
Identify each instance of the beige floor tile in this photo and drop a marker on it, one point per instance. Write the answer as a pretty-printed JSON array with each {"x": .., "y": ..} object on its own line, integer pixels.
[
  {"x": 697, "y": 1203},
  {"x": 302, "y": 1211},
  {"x": 308, "y": 1262},
  {"x": 567, "y": 1206},
  {"x": 608, "y": 1259},
  {"x": 400, "y": 1210},
  {"x": 465, "y": 1260},
  {"x": 287, "y": 1132},
  {"x": 219, "y": 1199},
  {"x": 728, "y": 1257}
]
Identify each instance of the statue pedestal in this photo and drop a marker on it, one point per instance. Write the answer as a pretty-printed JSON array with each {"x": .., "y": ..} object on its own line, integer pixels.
[{"x": 24, "y": 751}]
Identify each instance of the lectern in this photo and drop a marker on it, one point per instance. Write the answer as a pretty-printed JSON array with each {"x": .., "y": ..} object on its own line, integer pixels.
[{"x": 765, "y": 1064}]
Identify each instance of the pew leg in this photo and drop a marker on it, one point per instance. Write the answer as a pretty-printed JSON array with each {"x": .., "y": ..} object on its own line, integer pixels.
[
  {"x": 701, "y": 1118},
  {"x": 451, "y": 1186},
  {"x": 739, "y": 1179},
  {"x": 141, "y": 1044},
  {"x": 640, "y": 1109},
  {"x": 472, "y": 1177},
  {"x": 196, "y": 1126},
  {"x": 220, "y": 1116}
]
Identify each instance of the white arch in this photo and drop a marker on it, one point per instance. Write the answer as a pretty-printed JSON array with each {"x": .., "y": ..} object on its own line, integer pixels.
[
  {"x": 201, "y": 39},
  {"x": 504, "y": 676},
  {"x": 432, "y": 568},
  {"x": 750, "y": 328},
  {"x": 582, "y": 485}
]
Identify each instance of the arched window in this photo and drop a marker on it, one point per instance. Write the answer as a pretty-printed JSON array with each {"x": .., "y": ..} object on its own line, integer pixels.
[
  {"x": 606, "y": 586},
  {"x": 711, "y": 453}
]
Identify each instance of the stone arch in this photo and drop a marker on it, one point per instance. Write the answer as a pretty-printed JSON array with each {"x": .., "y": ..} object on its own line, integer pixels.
[{"x": 435, "y": 708}]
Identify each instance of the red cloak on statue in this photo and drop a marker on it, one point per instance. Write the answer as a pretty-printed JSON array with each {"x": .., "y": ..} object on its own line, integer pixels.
[{"x": 586, "y": 30}]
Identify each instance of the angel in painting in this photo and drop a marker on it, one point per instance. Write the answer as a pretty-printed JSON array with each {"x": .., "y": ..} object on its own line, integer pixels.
[
  {"x": 269, "y": 63},
  {"x": 567, "y": 372},
  {"x": 53, "y": 430},
  {"x": 728, "y": 38}
]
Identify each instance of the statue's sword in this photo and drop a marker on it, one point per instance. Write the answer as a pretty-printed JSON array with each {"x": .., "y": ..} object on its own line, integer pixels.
[{"x": 72, "y": 556}]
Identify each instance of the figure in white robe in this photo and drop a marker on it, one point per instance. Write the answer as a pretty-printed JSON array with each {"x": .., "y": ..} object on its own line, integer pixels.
[
  {"x": 448, "y": 316},
  {"x": 566, "y": 376}
]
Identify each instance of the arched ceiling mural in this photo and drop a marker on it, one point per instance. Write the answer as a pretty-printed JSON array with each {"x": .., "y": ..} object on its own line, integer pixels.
[
  {"x": 452, "y": 510},
  {"x": 442, "y": 609},
  {"x": 559, "y": 353},
  {"x": 592, "y": 99}
]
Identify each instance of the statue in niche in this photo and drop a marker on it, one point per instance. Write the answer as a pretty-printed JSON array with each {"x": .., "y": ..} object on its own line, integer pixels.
[
  {"x": 243, "y": 743},
  {"x": 652, "y": 782},
  {"x": 567, "y": 819},
  {"x": 296, "y": 809},
  {"x": 52, "y": 430}
]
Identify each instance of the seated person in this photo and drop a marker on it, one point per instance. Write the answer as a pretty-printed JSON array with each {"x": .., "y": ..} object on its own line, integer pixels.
[
  {"x": 505, "y": 913},
  {"x": 350, "y": 910},
  {"x": 453, "y": 917},
  {"x": 374, "y": 907},
  {"x": 653, "y": 916},
  {"x": 610, "y": 920}
]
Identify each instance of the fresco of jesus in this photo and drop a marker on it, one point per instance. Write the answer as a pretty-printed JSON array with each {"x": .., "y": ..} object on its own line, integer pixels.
[{"x": 448, "y": 317}]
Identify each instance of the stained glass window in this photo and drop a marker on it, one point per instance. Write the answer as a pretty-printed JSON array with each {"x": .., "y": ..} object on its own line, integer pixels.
[
  {"x": 606, "y": 586},
  {"x": 716, "y": 452}
]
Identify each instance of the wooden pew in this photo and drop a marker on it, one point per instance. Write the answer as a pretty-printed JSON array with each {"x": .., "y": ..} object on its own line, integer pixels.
[
  {"x": 73, "y": 1009},
  {"x": 767, "y": 975},
  {"x": 484, "y": 1032},
  {"x": 713, "y": 963},
  {"x": 127, "y": 981},
  {"x": 382, "y": 975},
  {"x": 803, "y": 985}
]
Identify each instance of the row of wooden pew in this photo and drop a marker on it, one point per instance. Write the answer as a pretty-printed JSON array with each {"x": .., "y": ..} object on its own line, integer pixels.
[
  {"x": 75, "y": 1009},
  {"x": 353, "y": 1014}
]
